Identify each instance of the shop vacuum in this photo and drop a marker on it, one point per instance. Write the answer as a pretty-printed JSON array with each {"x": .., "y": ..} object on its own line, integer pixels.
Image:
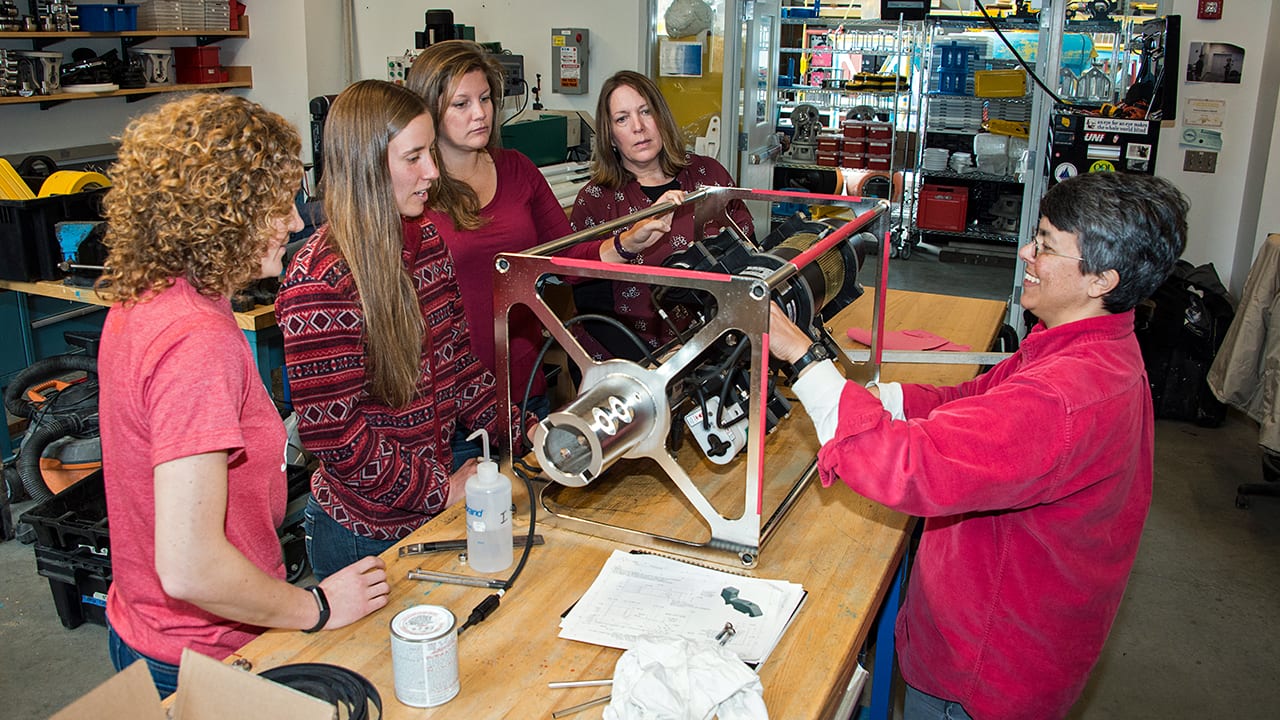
[{"x": 61, "y": 444}]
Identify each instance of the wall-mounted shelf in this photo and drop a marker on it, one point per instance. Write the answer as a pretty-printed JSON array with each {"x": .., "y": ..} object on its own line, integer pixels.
[
  {"x": 42, "y": 40},
  {"x": 238, "y": 77}
]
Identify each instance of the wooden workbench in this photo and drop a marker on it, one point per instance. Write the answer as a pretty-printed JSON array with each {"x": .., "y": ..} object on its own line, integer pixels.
[
  {"x": 842, "y": 548},
  {"x": 258, "y": 324},
  {"x": 259, "y": 318}
]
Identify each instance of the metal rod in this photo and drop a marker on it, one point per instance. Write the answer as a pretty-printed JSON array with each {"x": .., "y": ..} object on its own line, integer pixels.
[
  {"x": 454, "y": 579},
  {"x": 68, "y": 315},
  {"x": 581, "y": 706},
  {"x": 929, "y": 357},
  {"x": 603, "y": 229},
  {"x": 555, "y": 685}
]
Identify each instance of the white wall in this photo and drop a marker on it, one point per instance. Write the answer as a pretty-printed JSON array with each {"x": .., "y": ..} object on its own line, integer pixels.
[
  {"x": 277, "y": 52},
  {"x": 1225, "y": 205},
  {"x": 296, "y": 49},
  {"x": 523, "y": 27},
  {"x": 1269, "y": 214}
]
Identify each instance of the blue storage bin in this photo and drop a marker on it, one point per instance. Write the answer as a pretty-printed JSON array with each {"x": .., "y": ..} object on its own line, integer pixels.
[
  {"x": 101, "y": 17},
  {"x": 126, "y": 17},
  {"x": 953, "y": 57},
  {"x": 952, "y": 83},
  {"x": 97, "y": 17}
]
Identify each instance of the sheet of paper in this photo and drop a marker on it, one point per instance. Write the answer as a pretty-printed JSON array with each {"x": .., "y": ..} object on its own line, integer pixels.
[{"x": 643, "y": 594}]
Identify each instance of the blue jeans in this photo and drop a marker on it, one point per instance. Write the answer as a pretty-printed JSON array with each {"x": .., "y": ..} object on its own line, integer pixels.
[
  {"x": 920, "y": 705},
  {"x": 164, "y": 675},
  {"x": 464, "y": 449},
  {"x": 330, "y": 546}
]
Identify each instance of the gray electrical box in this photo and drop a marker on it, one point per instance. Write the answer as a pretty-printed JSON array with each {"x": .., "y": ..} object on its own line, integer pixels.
[
  {"x": 512, "y": 73},
  {"x": 570, "y": 53}
]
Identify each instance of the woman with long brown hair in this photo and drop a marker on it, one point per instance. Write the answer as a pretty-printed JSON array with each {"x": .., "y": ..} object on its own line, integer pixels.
[{"x": 380, "y": 362}]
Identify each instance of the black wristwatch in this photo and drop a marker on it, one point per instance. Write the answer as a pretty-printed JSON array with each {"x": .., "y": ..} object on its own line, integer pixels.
[
  {"x": 817, "y": 352},
  {"x": 323, "y": 602}
]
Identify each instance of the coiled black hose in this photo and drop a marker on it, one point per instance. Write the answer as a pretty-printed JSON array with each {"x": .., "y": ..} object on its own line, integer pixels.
[
  {"x": 349, "y": 691},
  {"x": 40, "y": 371},
  {"x": 39, "y": 438}
]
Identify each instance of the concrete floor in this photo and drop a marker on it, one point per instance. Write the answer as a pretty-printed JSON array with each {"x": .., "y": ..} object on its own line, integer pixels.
[{"x": 1198, "y": 635}]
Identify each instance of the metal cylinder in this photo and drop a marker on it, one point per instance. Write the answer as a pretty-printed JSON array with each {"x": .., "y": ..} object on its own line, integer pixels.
[{"x": 579, "y": 442}]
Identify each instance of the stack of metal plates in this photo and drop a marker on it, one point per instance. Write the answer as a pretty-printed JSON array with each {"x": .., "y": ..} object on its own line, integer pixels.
[
  {"x": 217, "y": 14},
  {"x": 160, "y": 15},
  {"x": 192, "y": 14}
]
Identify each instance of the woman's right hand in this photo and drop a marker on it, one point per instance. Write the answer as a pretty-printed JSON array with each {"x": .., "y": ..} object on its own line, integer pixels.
[
  {"x": 355, "y": 591},
  {"x": 644, "y": 234}
]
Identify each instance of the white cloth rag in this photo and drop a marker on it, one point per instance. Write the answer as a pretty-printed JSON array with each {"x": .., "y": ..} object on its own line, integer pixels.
[{"x": 672, "y": 678}]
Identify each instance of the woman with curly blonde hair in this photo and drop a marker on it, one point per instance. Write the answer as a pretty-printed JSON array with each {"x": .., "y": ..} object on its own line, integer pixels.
[
  {"x": 192, "y": 444},
  {"x": 375, "y": 337}
]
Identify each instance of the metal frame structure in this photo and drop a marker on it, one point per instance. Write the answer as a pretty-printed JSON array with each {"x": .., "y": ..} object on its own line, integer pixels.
[{"x": 624, "y": 407}]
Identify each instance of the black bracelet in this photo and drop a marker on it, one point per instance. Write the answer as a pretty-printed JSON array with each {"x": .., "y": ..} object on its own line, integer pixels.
[
  {"x": 323, "y": 602},
  {"x": 623, "y": 252}
]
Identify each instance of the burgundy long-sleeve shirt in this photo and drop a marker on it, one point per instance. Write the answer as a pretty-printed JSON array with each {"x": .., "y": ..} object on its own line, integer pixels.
[
  {"x": 597, "y": 204},
  {"x": 523, "y": 213}
]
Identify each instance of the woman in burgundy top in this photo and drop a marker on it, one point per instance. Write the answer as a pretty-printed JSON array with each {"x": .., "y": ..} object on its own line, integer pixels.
[{"x": 488, "y": 200}]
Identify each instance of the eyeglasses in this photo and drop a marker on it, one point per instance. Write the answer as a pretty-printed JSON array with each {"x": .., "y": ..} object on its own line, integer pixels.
[{"x": 1038, "y": 248}]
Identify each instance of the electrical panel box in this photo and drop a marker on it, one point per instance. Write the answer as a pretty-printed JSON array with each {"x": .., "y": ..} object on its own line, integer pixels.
[
  {"x": 512, "y": 74},
  {"x": 570, "y": 53}
]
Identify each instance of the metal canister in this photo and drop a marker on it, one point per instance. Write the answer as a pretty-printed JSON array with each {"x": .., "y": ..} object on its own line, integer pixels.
[{"x": 424, "y": 655}]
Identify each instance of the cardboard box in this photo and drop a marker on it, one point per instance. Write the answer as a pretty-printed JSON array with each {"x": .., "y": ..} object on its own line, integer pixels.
[{"x": 207, "y": 690}]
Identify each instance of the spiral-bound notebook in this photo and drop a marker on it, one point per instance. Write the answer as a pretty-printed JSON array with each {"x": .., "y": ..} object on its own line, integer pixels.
[{"x": 638, "y": 594}]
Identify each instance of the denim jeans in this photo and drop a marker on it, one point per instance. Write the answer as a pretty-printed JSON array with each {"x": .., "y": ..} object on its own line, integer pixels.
[
  {"x": 164, "y": 675},
  {"x": 923, "y": 706},
  {"x": 330, "y": 546},
  {"x": 464, "y": 449}
]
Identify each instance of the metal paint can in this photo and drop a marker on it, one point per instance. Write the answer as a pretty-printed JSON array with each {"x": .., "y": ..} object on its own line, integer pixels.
[{"x": 424, "y": 655}]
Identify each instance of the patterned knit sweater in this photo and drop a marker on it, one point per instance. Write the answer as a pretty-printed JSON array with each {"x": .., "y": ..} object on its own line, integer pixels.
[{"x": 384, "y": 471}]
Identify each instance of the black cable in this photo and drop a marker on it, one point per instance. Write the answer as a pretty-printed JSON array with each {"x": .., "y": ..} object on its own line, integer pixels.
[
  {"x": 991, "y": 21},
  {"x": 523, "y": 103},
  {"x": 617, "y": 325},
  {"x": 482, "y": 611},
  {"x": 343, "y": 688},
  {"x": 729, "y": 367}
]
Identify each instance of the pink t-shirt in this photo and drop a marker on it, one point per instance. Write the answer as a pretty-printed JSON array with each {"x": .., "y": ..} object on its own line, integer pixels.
[{"x": 178, "y": 379}]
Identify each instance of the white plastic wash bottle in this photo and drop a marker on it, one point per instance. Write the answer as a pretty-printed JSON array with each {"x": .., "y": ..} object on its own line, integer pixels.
[{"x": 489, "y": 546}]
